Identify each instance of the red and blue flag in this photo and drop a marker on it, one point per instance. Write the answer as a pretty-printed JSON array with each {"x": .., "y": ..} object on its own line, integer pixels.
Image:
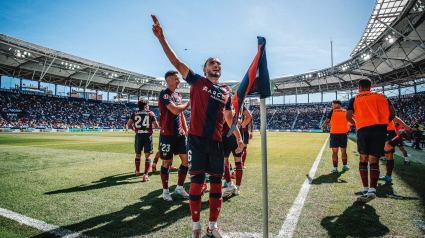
[{"x": 255, "y": 82}]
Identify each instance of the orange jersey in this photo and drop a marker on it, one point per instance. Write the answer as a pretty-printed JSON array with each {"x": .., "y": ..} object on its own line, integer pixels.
[
  {"x": 398, "y": 128},
  {"x": 339, "y": 125},
  {"x": 370, "y": 108},
  {"x": 391, "y": 126}
]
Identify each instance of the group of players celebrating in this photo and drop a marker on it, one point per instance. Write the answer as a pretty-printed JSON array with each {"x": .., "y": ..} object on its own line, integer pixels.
[
  {"x": 379, "y": 130},
  {"x": 204, "y": 147}
]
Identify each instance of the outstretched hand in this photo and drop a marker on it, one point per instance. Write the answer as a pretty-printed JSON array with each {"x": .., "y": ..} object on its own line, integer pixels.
[{"x": 156, "y": 28}]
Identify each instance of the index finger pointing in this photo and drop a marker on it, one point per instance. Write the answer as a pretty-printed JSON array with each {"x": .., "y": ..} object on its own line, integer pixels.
[{"x": 155, "y": 20}]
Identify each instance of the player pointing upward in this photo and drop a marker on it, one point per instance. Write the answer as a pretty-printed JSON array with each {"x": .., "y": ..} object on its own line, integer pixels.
[{"x": 210, "y": 102}]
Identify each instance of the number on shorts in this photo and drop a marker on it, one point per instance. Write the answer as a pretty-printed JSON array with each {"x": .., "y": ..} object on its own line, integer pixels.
[
  {"x": 189, "y": 155},
  {"x": 165, "y": 148}
]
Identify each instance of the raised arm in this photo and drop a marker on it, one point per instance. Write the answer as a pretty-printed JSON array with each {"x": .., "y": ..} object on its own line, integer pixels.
[
  {"x": 401, "y": 122},
  {"x": 178, "y": 64}
]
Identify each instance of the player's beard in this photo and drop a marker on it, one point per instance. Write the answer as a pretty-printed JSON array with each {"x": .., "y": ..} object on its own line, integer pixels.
[{"x": 213, "y": 74}]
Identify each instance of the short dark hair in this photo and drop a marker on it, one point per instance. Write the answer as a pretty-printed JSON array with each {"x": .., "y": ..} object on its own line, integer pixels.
[
  {"x": 170, "y": 73},
  {"x": 142, "y": 104},
  {"x": 337, "y": 102},
  {"x": 365, "y": 83}
]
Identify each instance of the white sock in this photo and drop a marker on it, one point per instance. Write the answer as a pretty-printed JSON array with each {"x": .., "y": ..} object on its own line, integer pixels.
[
  {"x": 197, "y": 225},
  {"x": 230, "y": 183},
  {"x": 365, "y": 188},
  {"x": 165, "y": 190},
  {"x": 372, "y": 190},
  {"x": 406, "y": 158},
  {"x": 179, "y": 187},
  {"x": 238, "y": 187},
  {"x": 212, "y": 225}
]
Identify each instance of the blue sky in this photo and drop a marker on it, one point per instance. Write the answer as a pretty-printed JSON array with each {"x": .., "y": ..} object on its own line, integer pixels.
[{"x": 119, "y": 33}]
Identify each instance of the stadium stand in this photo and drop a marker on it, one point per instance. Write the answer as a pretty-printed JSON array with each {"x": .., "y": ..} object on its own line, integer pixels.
[{"x": 41, "y": 111}]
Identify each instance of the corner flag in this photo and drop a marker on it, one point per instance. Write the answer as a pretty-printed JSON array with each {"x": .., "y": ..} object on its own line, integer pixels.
[{"x": 255, "y": 82}]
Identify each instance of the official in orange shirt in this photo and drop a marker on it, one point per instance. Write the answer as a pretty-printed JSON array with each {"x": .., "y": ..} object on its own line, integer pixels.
[
  {"x": 373, "y": 113},
  {"x": 338, "y": 137}
]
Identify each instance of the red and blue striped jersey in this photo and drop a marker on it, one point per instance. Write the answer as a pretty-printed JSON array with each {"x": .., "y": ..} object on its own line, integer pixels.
[
  {"x": 208, "y": 102},
  {"x": 143, "y": 121},
  {"x": 170, "y": 124}
]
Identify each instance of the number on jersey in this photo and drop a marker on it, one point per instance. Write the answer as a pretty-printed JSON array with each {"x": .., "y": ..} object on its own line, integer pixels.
[{"x": 145, "y": 122}]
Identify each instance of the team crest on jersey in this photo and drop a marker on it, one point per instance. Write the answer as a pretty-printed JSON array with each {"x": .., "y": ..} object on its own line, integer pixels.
[{"x": 166, "y": 96}]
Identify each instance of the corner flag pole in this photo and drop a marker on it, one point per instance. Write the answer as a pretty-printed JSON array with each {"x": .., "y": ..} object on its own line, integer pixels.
[{"x": 264, "y": 167}]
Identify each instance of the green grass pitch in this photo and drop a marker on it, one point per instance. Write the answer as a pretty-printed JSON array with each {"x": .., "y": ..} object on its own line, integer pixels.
[{"x": 85, "y": 182}]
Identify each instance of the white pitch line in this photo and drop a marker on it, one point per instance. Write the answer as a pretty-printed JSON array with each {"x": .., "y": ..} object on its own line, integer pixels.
[
  {"x": 40, "y": 225},
  {"x": 291, "y": 221}
]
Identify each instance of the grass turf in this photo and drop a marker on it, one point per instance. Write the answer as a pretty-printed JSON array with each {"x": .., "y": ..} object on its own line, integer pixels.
[{"x": 85, "y": 182}]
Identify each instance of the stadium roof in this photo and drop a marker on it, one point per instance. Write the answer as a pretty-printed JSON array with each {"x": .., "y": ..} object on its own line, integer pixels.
[
  {"x": 390, "y": 52},
  {"x": 25, "y": 60}
]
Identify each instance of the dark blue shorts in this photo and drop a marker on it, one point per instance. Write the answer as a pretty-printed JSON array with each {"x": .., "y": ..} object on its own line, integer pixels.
[
  {"x": 246, "y": 137},
  {"x": 371, "y": 142},
  {"x": 205, "y": 156},
  {"x": 338, "y": 141},
  {"x": 143, "y": 141},
  {"x": 171, "y": 145},
  {"x": 230, "y": 145}
]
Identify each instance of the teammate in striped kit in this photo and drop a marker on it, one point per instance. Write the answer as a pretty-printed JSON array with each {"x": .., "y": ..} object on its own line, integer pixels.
[
  {"x": 210, "y": 102},
  {"x": 172, "y": 140},
  {"x": 143, "y": 121},
  {"x": 245, "y": 133}
]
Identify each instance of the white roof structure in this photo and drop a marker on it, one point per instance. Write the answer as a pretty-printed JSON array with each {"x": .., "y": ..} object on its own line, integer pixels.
[
  {"x": 390, "y": 52},
  {"x": 25, "y": 60}
]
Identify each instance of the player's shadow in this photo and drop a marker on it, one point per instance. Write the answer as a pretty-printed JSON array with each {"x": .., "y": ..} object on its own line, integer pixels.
[
  {"x": 386, "y": 190},
  {"x": 328, "y": 178},
  {"x": 358, "y": 220},
  {"x": 110, "y": 181},
  {"x": 143, "y": 218}
]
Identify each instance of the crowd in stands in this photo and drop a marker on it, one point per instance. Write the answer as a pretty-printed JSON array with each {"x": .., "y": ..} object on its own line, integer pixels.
[{"x": 33, "y": 111}]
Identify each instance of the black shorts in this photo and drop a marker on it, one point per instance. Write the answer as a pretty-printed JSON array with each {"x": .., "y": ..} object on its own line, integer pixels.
[
  {"x": 246, "y": 137},
  {"x": 230, "y": 145},
  {"x": 143, "y": 141},
  {"x": 205, "y": 156},
  {"x": 338, "y": 140},
  {"x": 171, "y": 145},
  {"x": 390, "y": 135},
  {"x": 372, "y": 142}
]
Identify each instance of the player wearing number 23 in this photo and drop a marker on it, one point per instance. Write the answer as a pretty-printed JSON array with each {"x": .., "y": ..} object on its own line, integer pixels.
[{"x": 172, "y": 140}]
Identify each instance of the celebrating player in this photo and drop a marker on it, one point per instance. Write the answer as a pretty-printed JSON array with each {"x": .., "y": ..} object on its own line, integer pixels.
[
  {"x": 143, "y": 121},
  {"x": 373, "y": 113},
  {"x": 338, "y": 137},
  {"x": 172, "y": 140},
  {"x": 230, "y": 145},
  {"x": 210, "y": 105}
]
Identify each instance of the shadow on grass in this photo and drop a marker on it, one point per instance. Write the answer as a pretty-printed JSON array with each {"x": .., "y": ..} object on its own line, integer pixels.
[
  {"x": 358, "y": 220},
  {"x": 386, "y": 190},
  {"x": 328, "y": 178},
  {"x": 114, "y": 180},
  {"x": 143, "y": 218},
  {"x": 413, "y": 175}
]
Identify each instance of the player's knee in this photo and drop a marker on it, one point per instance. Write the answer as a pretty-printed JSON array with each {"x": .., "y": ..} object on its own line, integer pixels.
[
  {"x": 138, "y": 156},
  {"x": 167, "y": 163}
]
